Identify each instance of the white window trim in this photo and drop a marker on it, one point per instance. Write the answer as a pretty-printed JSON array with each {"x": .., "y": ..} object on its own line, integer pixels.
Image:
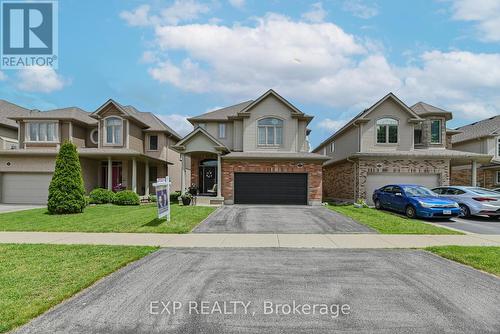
[
  {"x": 92, "y": 138},
  {"x": 223, "y": 126},
  {"x": 27, "y": 132},
  {"x": 332, "y": 147},
  {"x": 386, "y": 132},
  {"x": 440, "y": 131},
  {"x": 105, "y": 132},
  {"x": 148, "y": 147},
  {"x": 273, "y": 126}
]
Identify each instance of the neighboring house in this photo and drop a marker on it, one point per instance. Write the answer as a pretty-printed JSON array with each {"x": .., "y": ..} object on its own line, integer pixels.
[
  {"x": 8, "y": 127},
  {"x": 119, "y": 146},
  {"x": 390, "y": 143},
  {"x": 255, "y": 152},
  {"x": 480, "y": 137}
]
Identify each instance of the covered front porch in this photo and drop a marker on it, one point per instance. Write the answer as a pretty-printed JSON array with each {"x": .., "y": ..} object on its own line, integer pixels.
[{"x": 202, "y": 153}]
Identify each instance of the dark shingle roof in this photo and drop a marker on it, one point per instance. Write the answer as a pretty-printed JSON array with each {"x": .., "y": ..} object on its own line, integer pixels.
[
  {"x": 7, "y": 110},
  {"x": 486, "y": 127},
  {"x": 154, "y": 123},
  {"x": 222, "y": 114}
]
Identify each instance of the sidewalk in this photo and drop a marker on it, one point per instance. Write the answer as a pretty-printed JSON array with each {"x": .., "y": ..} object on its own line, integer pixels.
[{"x": 252, "y": 240}]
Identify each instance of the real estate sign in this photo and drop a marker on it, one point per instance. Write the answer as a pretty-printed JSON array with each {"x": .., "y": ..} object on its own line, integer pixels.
[{"x": 162, "y": 186}]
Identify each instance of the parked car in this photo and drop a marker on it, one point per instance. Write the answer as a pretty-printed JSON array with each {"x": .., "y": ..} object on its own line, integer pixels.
[
  {"x": 497, "y": 190},
  {"x": 414, "y": 201},
  {"x": 472, "y": 200}
]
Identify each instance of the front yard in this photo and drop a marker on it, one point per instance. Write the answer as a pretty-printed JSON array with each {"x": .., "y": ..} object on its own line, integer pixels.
[
  {"x": 34, "y": 278},
  {"x": 107, "y": 218},
  {"x": 387, "y": 223},
  {"x": 482, "y": 258}
]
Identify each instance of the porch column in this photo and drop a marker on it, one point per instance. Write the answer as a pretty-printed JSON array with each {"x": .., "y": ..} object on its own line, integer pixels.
[
  {"x": 219, "y": 176},
  {"x": 474, "y": 173},
  {"x": 183, "y": 173},
  {"x": 134, "y": 175},
  {"x": 110, "y": 174},
  {"x": 146, "y": 179}
]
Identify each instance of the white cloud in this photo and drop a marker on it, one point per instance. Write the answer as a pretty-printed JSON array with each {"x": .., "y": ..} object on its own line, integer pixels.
[
  {"x": 179, "y": 11},
  {"x": 331, "y": 125},
  {"x": 360, "y": 9},
  {"x": 316, "y": 14},
  {"x": 485, "y": 13},
  {"x": 40, "y": 79},
  {"x": 178, "y": 122},
  {"x": 237, "y": 3},
  {"x": 149, "y": 57},
  {"x": 3, "y": 76}
]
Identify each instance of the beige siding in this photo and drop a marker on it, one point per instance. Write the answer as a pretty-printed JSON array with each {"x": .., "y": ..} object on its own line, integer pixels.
[
  {"x": 161, "y": 153},
  {"x": 27, "y": 164},
  {"x": 270, "y": 107},
  {"x": 345, "y": 144},
  {"x": 88, "y": 141},
  {"x": 238, "y": 135},
  {"x": 90, "y": 173},
  {"x": 79, "y": 135},
  {"x": 390, "y": 109},
  {"x": 8, "y": 132},
  {"x": 476, "y": 146},
  {"x": 64, "y": 131},
  {"x": 136, "y": 138}
]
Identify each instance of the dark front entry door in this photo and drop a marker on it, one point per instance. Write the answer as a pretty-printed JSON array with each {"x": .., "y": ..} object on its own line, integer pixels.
[
  {"x": 270, "y": 188},
  {"x": 209, "y": 179}
]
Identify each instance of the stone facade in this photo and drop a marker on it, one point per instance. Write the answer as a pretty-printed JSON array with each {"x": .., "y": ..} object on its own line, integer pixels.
[
  {"x": 462, "y": 176},
  {"x": 338, "y": 181},
  {"x": 441, "y": 167},
  {"x": 313, "y": 169}
]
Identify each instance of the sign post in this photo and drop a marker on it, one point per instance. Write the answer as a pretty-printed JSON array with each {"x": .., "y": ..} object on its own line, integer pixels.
[{"x": 162, "y": 189}]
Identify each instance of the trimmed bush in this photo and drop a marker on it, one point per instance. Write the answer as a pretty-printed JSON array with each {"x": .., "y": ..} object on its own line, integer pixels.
[
  {"x": 174, "y": 197},
  {"x": 152, "y": 198},
  {"x": 126, "y": 197},
  {"x": 66, "y": 191},
  {"x": 101, "y": 196}
]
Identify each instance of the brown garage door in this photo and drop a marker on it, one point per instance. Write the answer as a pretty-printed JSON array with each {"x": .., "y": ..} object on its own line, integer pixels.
[{"x": 270, "y": 188}]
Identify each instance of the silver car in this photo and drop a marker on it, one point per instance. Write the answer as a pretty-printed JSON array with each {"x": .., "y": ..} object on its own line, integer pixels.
[{"x": 472, "y": 200}]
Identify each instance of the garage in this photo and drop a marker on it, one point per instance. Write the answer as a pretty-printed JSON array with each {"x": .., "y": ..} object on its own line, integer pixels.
[
  {"x": 270, "y": 188},
  {"x": 25, "y": 188},
  {"x": 377, "y": 180}
]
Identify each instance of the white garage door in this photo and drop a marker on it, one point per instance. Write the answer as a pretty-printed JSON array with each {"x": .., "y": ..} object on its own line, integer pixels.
[
  {"x": 375, "y": 181},
  {"x": 25, "y": 188}
]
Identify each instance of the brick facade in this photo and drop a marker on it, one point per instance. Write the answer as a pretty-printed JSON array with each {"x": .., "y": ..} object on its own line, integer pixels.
[
  {"x": 313, "y": 169},
  {"x": 338, "y": 181},
  {"x": 462, "y": 176},
  {"x": 195, "y": 164}
]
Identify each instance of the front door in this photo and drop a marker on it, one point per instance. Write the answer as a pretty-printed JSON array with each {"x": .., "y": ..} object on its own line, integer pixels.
[
  {"x": 116, "y": 174},
  {"x": 208, "y": 176}
]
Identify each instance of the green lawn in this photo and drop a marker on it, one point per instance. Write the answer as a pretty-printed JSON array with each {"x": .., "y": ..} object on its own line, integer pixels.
[
  {"x": 34, "y": 278},
  {"x": 482, "y": 258},
  {"x": 107, "y": 218},
  {"x": 388, "y": 223}
]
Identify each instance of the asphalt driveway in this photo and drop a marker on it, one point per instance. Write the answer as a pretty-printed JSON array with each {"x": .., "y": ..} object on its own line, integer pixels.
[
  {"x": 475, "y": 224},
  {"x": 18, "y": 207},
  {"x": 389, "y": 291},
  {"x": 278, "y": 219}
]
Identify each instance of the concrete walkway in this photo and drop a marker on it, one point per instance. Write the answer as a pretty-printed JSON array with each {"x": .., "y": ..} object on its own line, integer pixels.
[{"x": 252, "y": 240}]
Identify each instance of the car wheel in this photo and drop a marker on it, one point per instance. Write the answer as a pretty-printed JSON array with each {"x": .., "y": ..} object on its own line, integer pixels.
[
  {"x": 465, "y": 211},
  {"x": 378, "y": 205},
  {"x": 410, "y": 212}
]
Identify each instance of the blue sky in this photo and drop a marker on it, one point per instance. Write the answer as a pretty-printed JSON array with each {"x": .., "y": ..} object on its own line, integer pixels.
[{"x": 330, "y": 58}]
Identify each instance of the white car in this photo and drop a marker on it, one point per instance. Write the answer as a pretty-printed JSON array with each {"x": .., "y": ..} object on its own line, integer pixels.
[{"x": 473, "y": 200}]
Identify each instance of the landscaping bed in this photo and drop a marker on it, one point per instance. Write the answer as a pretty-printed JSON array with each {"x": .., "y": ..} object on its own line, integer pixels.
[
  {"x": 387, "y": 223},
  {"x": 34, "y": 278},
  {"x": 107, "y": 218}
]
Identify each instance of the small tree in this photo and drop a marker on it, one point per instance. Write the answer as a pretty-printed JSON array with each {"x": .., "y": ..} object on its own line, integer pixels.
[{"x": 66, "y": 191}]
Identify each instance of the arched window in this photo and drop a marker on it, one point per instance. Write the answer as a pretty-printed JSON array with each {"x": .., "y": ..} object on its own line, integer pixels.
[
  {"x": 114, "y": 129},
  {"x": 387, "y": 131},
  {"x": 270, "y": 131}
]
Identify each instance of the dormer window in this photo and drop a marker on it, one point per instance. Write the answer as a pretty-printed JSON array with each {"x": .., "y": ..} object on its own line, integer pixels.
[
  {"x": 387, "y": 131},
  {"x": 42, "y": 132},
  {"x": 270, "y": 131},
  {"x": 417, "y": 134},
  {"x": 114, "y": 130}
]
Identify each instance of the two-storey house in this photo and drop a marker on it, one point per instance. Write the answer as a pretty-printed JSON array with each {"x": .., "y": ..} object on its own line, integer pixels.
[
  {"x": 254, "y": 152},
  {"x": 388, "y": 143},
  {"x": 119, "y": 148},
  {"x": 480, "y": 137},
  {"x": 8, "y": 127}
]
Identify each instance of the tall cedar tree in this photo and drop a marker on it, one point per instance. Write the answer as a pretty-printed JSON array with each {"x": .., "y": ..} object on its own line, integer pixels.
[{"x": 66, "y": 191}]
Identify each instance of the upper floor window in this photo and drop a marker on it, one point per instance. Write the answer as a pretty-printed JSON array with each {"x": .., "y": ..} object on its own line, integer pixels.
[
  {"x": 498, "y": 147},
  {"x": 222, "y": 130},
  {"x": 42, "y": 131},
  {"x": 387, "y": 131},
  {"x": 270, "y": 131},
  {"x": 417, "y": 134},
  {"x": 94, "y": 136},
  {"x": 114, "y": 130},
  {"x": 436, "y": 131},
  {"x": 332, "y": 147},
  {"x": 153, "y": 142}
]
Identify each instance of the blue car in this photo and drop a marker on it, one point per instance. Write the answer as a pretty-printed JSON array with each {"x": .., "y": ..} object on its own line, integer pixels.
[{"x": 414, "y": 201}]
